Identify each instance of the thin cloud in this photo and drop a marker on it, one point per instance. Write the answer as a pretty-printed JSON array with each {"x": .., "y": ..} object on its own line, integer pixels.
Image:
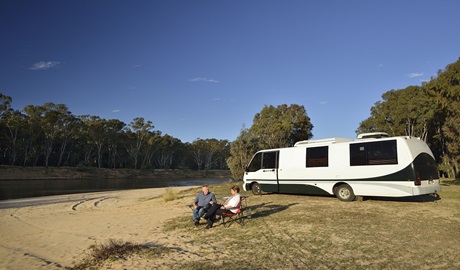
[
  {"x": 116, "y": 111},
  {"x": 200, "y": 79},
  {"x": 415, "y": 75},
  {"x": 44, "y": 65},
  {"x": 323, "y": 102}
]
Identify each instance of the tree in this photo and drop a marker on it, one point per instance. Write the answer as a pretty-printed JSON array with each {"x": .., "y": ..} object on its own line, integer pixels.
[
  {"x": 207, "y": 152},
  {"x": 138, "y": 131},
  {"x": 445, "y": 90},
  {"x": 406, "y": 112},
  {"x": 5, "y": 104},
  {"x": 13, "y": 123},
  {"x": 273, "y": 127},
  {"x": 281, "y": 126},
  {"x": 167, "y": 148},
  {"x": 52, "y": 121},
  {"x": 241, "y": 152},
  {"x": 66, "y": 135},
  {"x": 114, "y": 131},
  {"x": 97, "y": 134}
]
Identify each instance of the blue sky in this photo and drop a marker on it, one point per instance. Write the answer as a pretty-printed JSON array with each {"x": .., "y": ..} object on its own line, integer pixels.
[{"x": 203, "y": 69}]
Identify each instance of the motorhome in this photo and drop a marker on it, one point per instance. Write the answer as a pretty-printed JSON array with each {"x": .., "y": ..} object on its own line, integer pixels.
[{"x": 371, "y": 165}]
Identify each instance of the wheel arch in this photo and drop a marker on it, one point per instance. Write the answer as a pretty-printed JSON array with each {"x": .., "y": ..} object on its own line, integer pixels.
[{"x": 336, "y": 185}]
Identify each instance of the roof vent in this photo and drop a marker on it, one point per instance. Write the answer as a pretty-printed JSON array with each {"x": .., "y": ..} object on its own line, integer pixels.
[
  {"x": 323, "y": 141},
  {"x": 375, "y": 135}
]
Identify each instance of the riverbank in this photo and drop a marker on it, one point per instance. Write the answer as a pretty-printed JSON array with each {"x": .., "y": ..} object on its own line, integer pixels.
[
  {"x": 24, "y": 173},
  {"x": 58, "y": 235}
]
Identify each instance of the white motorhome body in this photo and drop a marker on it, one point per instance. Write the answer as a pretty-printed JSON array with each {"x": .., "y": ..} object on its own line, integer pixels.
[{"x": 372, "y": 165}]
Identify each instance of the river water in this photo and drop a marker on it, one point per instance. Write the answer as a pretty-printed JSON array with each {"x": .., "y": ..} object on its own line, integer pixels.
[{"x": 16, "y": 189}]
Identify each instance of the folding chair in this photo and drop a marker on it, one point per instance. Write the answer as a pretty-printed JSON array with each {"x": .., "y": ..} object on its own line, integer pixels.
[{"x": 237, "y": 217}]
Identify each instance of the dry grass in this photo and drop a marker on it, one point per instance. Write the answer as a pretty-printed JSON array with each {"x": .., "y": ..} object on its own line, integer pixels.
[
  {"x": 315, "y": 232},
  {"x": 170, "y": 195},
  {"x": 114, "y": 250}
]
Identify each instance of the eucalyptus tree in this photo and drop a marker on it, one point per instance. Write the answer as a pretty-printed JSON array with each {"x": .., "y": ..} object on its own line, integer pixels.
[
  {"x": 281, "y": 126},
  {"x": 96, "y": 129},
  {"x": 445, "y": 91},
  {"x": 272, "y": 127},
  {"x": 150, "y": 148},
  {"x": 67, "y": 135},
  {"x": 406, "y": 112},
  {"x": 114, "y": 132},
  {"x": 206, "y": 153},
  {"x": 167, "y": 148},
  {"x": 5, "y": 104},
  {"x": 36, "y": 139},
  {"x": 13, "y": 126},
  {"x": 215, "y": 153},
  {"x": 85, "y": 146},
  {"x": 198, "y": 148},
  {"x": 241, "y": 151},
  {"x": 52, "y": 121},
  {"x": 137, "y": 132}
]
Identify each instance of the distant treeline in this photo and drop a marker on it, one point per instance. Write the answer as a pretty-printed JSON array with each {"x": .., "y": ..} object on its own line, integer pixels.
[{"x": 50, "y": 135}]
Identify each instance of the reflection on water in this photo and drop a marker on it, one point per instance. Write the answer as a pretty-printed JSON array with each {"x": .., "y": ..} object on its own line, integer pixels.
[{"x": 15, "y": 189}]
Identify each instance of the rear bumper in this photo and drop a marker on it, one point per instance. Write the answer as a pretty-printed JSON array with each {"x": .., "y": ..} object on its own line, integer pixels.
[{"x": 426, "y": 188}]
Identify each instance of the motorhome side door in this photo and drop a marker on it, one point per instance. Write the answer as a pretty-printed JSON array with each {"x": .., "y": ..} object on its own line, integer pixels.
[{"x": 264, "y": 170}]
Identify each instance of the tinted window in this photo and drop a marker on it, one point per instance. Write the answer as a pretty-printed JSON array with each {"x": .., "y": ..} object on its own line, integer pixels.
[
  {"x": 269, "y": 160},
  {"x": 256, "y": 163},
  {"x": 357, "y": 154},
  {"x": 425, "y": 167},
  {"x": 317, "y": 157},
  {"x": 373, "y": 153}
]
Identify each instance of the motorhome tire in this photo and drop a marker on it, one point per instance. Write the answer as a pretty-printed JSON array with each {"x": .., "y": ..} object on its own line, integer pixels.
[
  {"x": 345, "y": 193},
  {"x": 256, "y": 189}
]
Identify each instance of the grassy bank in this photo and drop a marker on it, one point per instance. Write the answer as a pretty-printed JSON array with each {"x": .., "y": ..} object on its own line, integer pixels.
[
  {"x": 314, "y": 232},
  {"x": 7, "y": 172}
]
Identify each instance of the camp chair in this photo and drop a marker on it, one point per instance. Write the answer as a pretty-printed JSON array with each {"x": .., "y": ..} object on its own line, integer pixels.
[{"x": 237, "y": 217}]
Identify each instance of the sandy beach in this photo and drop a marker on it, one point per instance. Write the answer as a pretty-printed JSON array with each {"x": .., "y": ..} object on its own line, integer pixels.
[{"x": 58, "y": 235}]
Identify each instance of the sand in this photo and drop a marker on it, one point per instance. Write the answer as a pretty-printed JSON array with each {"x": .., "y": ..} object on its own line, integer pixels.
[{"x": 58, "y": 235}]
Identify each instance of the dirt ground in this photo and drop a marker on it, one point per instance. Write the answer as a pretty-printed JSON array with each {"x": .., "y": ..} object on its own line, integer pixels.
[{"x": 284, "y": 232}]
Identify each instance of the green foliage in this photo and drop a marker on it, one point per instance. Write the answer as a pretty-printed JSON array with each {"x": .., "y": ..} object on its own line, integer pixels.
[
  {"x": 281, "y": 126},
  {"x": 430, "y": 111},
  {"x": 405, "y": 112},
  {"x": 241, "y": 152},
  {"x": 445, "y": 90},
  {"x": 273, "y": 127},
  {"x": 207, "y": 153}
]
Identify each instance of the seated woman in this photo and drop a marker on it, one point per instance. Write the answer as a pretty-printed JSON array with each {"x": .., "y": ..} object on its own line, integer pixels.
[{"x": 230, "y": 205}]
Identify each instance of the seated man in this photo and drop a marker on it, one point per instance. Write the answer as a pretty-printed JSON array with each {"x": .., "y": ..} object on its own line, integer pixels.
[{"x": 203, "y": 201}]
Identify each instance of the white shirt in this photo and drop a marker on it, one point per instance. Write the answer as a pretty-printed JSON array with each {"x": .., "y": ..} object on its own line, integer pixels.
[{"x": 233, "y": 202}]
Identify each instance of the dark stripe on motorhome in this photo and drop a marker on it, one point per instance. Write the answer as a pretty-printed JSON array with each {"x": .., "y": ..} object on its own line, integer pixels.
[{"x": 423, "y": 163}]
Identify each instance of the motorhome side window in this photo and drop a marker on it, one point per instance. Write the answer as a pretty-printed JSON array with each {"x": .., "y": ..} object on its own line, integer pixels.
[
  {"x": 269, "y": 160},
  {"x": 317, "y": 157},
  {"x": 373, "y": 153}
]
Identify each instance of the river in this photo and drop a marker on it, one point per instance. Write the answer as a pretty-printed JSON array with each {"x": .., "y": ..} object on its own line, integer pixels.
[{"x": 18, "y": 189}]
